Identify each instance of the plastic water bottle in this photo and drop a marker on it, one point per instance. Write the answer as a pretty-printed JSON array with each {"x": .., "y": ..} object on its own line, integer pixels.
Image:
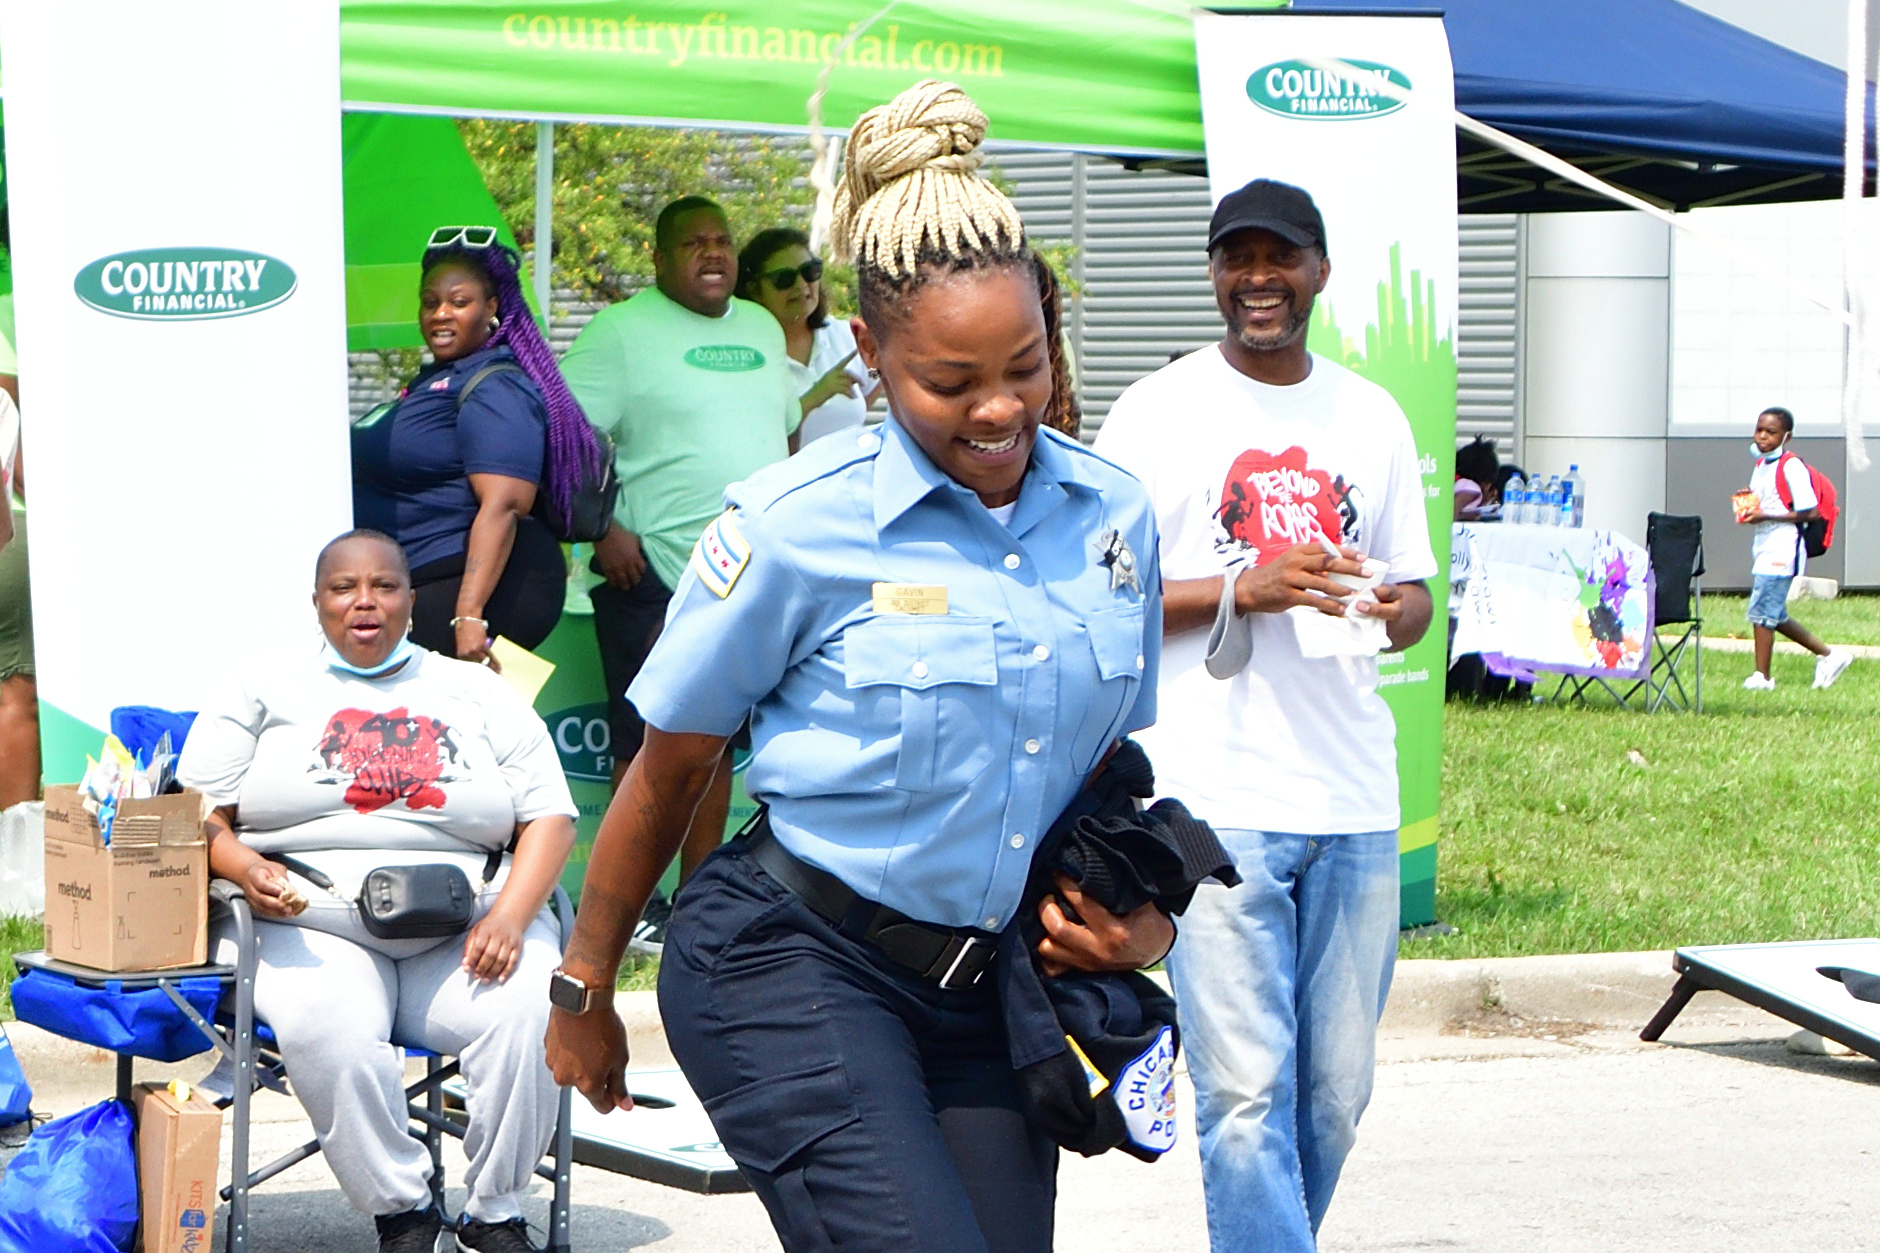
[
  {"x": 1550, "y": 515},
  {"x": 1514, "y": 499},
  {"x": 1573, "y": 509}
]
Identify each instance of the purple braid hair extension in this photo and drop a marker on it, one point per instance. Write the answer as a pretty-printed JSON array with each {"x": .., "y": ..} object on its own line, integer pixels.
[{"x": 572, "y": 444}]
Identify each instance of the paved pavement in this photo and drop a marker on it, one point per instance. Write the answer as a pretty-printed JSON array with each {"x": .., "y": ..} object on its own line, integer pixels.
[{"x": 1515, "y": 1109}]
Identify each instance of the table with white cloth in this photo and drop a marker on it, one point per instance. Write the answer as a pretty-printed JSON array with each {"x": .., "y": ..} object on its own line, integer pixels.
[{"x": 1570, "y": 600}]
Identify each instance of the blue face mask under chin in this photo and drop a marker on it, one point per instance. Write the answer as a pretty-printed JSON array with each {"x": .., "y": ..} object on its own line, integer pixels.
[
  {"x": 400, "y": 654},
  {"x": 1760, "y": 455}
]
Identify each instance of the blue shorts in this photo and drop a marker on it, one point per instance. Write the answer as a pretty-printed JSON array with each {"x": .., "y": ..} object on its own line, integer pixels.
[{"x": 1769, "y": 599}]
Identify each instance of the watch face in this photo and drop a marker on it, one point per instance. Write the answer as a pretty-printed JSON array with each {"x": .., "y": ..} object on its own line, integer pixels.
[{"x": 568, "y": 993}]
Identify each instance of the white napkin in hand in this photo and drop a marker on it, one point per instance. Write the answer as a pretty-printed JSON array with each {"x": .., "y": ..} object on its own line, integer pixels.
[
  {"x": 1323, "y": 636},
  {"x": 1354, "y": 635}
]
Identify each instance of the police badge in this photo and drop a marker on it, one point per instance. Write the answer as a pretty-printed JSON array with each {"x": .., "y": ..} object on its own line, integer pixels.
[{"x": 1121, "y": 561}]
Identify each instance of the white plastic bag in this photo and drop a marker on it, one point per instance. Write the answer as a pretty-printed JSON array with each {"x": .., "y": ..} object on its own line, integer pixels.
[{"x": 23, "y": 859}]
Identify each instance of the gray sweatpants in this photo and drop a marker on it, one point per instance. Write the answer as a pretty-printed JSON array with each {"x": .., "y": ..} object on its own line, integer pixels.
[{"x": 335, "y": 1005}]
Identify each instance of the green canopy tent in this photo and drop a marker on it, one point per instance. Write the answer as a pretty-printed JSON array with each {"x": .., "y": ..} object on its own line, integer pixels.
[
  {"x": 1117, "y": 78},
  {"x": 1114, "y": 77}
]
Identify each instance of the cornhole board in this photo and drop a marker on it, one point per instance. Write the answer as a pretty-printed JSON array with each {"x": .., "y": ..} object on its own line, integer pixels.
[
  {"x": 1785, "y": 980},
  {"x": 666, "y": 1138}
]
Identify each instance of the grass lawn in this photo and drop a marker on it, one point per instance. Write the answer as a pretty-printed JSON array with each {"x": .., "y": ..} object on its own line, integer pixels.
[
  {"x": 1755, "y": 821},
  {"x": 1843, "y": 620},
  {"x": 16, "y": 935}
]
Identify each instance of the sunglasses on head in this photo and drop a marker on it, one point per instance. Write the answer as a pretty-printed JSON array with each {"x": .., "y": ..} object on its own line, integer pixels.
[
  {"x": 784, "y": 280},
  {"x": 462, "y": 236}
]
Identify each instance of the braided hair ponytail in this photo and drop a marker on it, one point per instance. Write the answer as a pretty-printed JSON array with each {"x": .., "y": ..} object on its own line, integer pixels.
[{"x": 913, "y": 207}]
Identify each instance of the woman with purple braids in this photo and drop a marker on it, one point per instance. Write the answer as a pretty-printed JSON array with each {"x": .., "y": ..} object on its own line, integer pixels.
[{"x": 452, "y": 470}]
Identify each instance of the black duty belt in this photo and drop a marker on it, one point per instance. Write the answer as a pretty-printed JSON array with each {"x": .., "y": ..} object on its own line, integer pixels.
[{"x": 954, "y": 957}]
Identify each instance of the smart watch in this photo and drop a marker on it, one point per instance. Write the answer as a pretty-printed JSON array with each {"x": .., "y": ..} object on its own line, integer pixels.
[{"x": 569, "y": 994}]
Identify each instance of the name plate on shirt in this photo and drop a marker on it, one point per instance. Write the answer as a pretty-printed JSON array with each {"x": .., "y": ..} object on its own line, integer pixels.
[{"x": 910, "y": 598}]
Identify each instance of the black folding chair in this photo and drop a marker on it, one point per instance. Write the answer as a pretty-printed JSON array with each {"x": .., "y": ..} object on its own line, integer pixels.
[{"x": 1675, "y": 545}]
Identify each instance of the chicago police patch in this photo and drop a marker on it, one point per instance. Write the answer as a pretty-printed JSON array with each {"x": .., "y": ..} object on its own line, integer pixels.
[
  {"x": 1145, "y": 1092},
  {"x": 720, "y": 555}
]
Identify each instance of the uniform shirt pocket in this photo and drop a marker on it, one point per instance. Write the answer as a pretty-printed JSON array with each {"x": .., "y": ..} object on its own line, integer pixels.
[
  {"x": 1116, "y": 648},
  {"x": 929, "y": 682}
]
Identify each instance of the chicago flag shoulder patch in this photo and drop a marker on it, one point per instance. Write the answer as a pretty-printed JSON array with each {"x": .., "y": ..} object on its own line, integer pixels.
[{"x": 721, "y": 555}]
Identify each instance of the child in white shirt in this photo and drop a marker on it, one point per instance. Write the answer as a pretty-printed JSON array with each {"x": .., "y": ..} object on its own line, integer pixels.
[{"x": 1776, "y": 553}]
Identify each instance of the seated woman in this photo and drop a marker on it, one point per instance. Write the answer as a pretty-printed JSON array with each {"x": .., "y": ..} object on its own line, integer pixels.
[
  {"x": 376, "y": 752},
  {"x": 777, "y": 270},
  {"x": 1478, "y": 484},
  {"x": 452, "y": 469}
]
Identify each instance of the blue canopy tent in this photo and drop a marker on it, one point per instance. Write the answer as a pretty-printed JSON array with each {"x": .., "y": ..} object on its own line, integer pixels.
[{"x": 1653, "y": 96}]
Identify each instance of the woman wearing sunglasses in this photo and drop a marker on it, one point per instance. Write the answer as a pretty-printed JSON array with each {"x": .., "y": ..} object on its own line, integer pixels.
[
  {"x": 777, "y": 271},
  {"x": 454, "y": 468}
]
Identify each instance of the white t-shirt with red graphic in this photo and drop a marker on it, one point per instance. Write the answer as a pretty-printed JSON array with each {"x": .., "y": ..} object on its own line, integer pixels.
[
  {"x": 439, "y": 762},
  {"x": 1241, "y": 471}
]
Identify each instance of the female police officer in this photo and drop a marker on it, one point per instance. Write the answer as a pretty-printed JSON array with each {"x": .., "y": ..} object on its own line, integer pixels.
[{"x": 938, "y": 628}]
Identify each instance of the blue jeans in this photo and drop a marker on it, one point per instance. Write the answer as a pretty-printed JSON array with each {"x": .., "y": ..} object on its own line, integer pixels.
[
  {"x": 1769, "y": 599},
  {"x": 1281, "y": 983}
]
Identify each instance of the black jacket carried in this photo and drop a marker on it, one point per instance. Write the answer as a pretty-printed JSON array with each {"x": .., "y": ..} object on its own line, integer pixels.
[{"x": 1095, "y": 1053}]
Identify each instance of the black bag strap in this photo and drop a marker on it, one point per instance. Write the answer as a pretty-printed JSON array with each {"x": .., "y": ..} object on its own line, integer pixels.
[
  {"x": 318, "y": 878},
  {"x": 494, "y": 367},
  {"x": 493, "y": 864}
]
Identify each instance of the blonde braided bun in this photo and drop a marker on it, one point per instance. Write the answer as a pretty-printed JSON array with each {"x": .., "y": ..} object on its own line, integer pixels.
[{"x": 911, "y": 190}]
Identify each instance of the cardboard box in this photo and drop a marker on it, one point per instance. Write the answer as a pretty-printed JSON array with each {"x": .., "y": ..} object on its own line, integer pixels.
[
  {"x": 139, "y": 903},
  {"x": 179, "y": 1152}
]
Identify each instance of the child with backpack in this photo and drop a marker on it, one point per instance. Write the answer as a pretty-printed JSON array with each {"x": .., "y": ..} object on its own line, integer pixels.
[{"x": 1792, "y": 508}]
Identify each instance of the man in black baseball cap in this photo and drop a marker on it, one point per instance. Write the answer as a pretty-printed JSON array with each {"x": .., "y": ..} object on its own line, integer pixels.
[
  {"x": 1266, "y": 258},
  {"x": 1260, "y": 457}
]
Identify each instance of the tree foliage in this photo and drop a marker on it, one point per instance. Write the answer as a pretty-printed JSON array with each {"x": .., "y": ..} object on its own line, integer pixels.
[{"x": 612, "y": 181}]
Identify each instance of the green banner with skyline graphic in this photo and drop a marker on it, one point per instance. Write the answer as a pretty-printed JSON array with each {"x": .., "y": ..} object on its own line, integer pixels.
[{"x": 1359, "y": 111}]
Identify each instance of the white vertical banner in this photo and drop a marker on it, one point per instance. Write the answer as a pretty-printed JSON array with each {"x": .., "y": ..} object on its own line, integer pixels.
[
  {"x": 173, "y": 173},
  {"x": 1360, "y": 112}
]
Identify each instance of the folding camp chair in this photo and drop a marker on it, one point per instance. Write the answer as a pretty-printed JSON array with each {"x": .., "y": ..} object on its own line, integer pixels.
[
  {"x": 258, "y": 1063},
  {"x": 1675, "y": 544},
  {"x": 247, "y": 1045}
]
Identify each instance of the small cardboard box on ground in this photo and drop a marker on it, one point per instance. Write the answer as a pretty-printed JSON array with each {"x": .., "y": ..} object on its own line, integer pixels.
[
  {"x": 179, "y": 1152},
  {"x": 138, "y": 903}
]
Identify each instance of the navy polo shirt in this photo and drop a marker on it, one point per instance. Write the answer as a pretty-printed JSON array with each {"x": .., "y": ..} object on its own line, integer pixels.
[{"x": 410, "y": 465}]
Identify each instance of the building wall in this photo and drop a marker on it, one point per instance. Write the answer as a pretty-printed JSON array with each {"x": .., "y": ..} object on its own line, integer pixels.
[{"x": 1740, "y": 343}]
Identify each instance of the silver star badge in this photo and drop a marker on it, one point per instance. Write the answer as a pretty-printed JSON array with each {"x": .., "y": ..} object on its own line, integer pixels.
[{"x": 1120, "y": 560}]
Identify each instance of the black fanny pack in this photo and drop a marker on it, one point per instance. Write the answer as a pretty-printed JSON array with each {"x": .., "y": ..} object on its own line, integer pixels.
[
  {"x": 416, "y": 902},
  {"x": 427, "y": 901}
]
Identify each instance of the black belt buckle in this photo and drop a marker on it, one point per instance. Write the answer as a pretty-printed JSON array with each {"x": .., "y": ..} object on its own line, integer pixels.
[{"x": 962, "y": 963}]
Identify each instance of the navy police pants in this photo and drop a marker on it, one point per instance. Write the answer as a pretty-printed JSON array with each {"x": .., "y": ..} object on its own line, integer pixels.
[{"x": 869, "y": 1108}]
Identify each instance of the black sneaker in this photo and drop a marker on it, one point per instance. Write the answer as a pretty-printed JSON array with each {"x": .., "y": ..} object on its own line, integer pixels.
[
  {"x": 414, "y": 1231},
  {"x": 649, "y": 934},
  {"x": 509, "y": 1237}
]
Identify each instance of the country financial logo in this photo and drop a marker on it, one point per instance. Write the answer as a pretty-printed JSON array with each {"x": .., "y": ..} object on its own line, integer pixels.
[
  {"x": 584, "y": 742},
  {"x": 729, "y": 358},
  {"x": 1329, "y": 90},
  {"x": 184, "y": 284}
]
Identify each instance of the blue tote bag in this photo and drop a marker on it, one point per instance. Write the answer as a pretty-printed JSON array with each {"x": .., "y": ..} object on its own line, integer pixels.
[{"x": 73, "y": 1187}]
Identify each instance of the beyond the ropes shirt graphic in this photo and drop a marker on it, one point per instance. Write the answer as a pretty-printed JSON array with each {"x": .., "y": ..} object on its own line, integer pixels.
[
  {"x": 386, "y": 757},
  {"x": 1270, "y": 503}
]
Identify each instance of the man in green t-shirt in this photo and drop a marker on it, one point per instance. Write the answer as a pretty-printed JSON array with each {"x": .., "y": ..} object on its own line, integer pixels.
[{"x": 695, "y": 389}]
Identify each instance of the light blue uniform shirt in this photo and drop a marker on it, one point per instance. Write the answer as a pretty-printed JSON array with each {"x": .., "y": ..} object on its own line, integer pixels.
[{"x": 918, "y": 757}]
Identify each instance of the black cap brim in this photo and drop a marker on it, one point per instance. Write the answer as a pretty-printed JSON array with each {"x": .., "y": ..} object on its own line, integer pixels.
[{"x": 1288, "y": 231}]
